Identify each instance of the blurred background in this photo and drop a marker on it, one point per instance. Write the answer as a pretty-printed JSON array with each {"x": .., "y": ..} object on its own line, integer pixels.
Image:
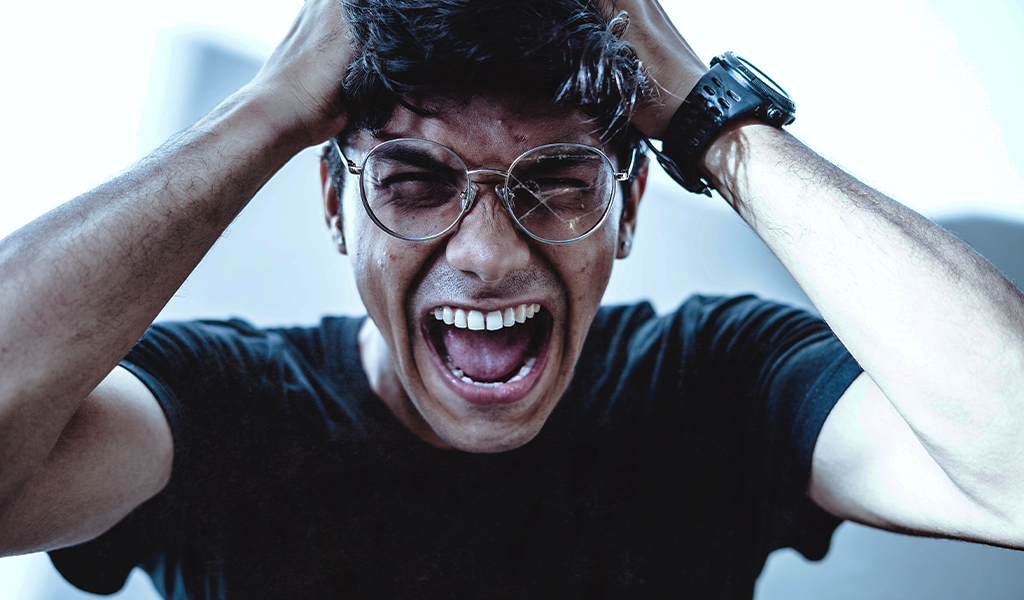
[{"x": 921, "y": 99}]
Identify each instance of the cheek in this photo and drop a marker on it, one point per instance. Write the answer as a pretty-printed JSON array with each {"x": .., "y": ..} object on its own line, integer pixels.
[
  {"x": 586, "y": 267},
  {"x": 595, "y": 265},
  {"x": 373, "y": 262},
  {"x": 385, "y": 270},
  {"x": 594, "y": 276},
  {"x": 377, "y": 274}
]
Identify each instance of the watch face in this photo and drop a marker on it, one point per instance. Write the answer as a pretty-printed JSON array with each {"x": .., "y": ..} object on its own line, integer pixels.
[{"x": 760, "y": 75}]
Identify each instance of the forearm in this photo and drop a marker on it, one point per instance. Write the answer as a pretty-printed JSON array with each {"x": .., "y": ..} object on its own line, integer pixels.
[
  {"x": 80, "y": 285},
  {"x": 938, "y": 329}
]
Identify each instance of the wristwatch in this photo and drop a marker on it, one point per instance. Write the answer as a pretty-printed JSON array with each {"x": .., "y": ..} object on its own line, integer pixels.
[{"x": 732, "y": 89}]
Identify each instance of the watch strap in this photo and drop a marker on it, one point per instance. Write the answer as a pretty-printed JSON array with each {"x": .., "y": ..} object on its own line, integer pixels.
[
  {"x": 719, "y": 97},
  {"x": 730, "y": 90}
]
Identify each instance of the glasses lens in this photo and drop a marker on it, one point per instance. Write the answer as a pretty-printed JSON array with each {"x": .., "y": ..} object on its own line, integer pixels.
[
  {"x": 414, "y": 188},
  {"x": 561, "y": 192}
]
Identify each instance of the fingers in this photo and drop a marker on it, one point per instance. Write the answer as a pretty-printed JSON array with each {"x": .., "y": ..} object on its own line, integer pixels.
[
  {"x": 305, "y": 72},
  {"x": 672, "y": 65}
]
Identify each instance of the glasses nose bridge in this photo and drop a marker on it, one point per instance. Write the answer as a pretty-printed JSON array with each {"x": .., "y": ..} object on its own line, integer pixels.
[
  {"x": 499, "y": 190},
  {"x": 499, "y": 186}
]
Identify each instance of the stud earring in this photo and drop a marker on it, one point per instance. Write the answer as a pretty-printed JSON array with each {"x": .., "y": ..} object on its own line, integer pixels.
[
  {"x": 625, "y": 244},
  {"x": 337, "y": 235}
]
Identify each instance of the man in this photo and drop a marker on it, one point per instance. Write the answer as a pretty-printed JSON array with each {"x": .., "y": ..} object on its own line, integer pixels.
[{"x": 556, "y": 449}]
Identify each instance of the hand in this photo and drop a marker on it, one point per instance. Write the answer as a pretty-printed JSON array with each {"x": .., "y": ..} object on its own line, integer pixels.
[
  {"x": 302, "y": 79},
  {"x": 672, "y": 65}
]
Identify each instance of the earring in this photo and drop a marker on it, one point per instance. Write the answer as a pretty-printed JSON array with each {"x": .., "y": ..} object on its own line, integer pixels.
[
  {"x": 337, "y": 235},
  {"x": 625, "y": 244}
]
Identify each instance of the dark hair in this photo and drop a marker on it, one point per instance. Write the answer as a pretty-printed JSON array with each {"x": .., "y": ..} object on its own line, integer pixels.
[{"x": 558, "y": 49}]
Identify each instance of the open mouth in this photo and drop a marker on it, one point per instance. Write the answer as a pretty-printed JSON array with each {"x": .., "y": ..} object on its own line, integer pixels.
[{"x": 494, "y": 350}]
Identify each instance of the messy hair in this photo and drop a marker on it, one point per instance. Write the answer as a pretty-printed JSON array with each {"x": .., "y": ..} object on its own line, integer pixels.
[{"x": 562, "y": 50}]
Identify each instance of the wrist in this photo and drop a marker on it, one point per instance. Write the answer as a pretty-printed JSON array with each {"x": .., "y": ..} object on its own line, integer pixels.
[
  {"x": 236, "y": 148},
  {"x": 741, "y": 150},
  {"x": 731, "y": 93},
  {"x": 654, "y": 119},
  {"x": 275, "y": 121},
  {"x": 249, "y": 122}
]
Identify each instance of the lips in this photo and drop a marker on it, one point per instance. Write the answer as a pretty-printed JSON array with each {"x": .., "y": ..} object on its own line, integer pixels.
[{"x": 490, "y": 356}]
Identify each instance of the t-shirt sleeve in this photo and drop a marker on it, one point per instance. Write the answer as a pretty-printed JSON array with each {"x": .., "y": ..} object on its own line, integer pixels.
[
  {"x": 730, "y": 394},
  {"x": 199, "y": 373},
  {"x": 776, "y": 372}
]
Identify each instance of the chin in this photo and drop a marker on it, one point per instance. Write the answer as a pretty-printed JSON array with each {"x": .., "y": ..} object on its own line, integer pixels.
[{"x": 489, "y": 439}]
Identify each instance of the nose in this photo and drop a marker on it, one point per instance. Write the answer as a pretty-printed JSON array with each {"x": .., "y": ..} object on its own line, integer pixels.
[{"x": 486, "y": 242}]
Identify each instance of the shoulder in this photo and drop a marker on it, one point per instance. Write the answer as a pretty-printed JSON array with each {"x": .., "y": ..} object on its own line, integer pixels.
[
  {"x": 707, "y": 321},
  {"x": 755, "y": 358},
  {"x": 209, "y": 345},
  {"x": 225, "y": 384}
]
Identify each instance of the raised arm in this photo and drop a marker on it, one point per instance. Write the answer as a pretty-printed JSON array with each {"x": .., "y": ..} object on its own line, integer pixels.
[
  {"x": 929, "y": 439},
  {"x": 81, "y": 284}
]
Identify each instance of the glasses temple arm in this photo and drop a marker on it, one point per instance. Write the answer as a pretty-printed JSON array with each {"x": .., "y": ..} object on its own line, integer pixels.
[
  {"x": 625, "y": 175},
  {"x": 352, "y": 168}
]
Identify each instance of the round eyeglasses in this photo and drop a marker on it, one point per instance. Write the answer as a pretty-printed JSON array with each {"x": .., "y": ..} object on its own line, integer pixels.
[{"x": 419, "y": 190}]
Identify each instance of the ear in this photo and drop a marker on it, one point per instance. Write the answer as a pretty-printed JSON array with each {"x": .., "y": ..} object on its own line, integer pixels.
[
  {"x": 332, "y": 206},
  {"x": 627, "y": 223}
]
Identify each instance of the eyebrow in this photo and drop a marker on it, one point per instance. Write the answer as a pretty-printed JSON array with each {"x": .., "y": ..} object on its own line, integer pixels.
[
  {"x": 558, "y": 135},
  {"x": 416, "y": 158}
]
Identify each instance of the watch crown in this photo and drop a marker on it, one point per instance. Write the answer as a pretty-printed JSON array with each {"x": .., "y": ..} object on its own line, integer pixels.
[{"x": 774, "y": 114}]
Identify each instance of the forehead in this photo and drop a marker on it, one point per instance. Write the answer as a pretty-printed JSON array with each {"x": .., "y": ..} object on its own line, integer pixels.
[{"x": 487, "y": 130}]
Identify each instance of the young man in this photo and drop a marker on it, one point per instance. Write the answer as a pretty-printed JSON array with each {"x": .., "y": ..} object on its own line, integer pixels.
[{"x": 490, "y": 431}]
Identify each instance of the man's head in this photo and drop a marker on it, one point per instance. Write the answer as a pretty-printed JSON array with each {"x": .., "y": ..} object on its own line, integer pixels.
[{"x": 489, "y": 81}]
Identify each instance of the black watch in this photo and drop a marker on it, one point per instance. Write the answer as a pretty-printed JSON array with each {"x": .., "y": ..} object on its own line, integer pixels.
[{"x": 732, "y": 89}]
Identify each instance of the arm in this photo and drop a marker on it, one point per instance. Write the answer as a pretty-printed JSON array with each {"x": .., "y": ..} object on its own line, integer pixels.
[
  {"x": 928, "y": 439},
  {"x": 80, "y": 285}
]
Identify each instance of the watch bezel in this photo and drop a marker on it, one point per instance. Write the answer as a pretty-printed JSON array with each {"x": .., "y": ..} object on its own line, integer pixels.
[{"x": 779, "y": 108}]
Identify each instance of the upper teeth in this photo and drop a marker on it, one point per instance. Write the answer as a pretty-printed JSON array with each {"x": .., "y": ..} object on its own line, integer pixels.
[{"x": 478, "y": 321}]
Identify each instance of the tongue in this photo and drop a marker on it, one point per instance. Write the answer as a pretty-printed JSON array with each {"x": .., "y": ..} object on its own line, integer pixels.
[{"x": 488, "y": 355}]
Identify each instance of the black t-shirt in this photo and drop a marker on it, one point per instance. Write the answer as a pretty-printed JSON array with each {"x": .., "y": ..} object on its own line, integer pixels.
[{"x": 676, "y": 462}]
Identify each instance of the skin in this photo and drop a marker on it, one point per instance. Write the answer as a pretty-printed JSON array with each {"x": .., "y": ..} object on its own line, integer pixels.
[
  {"x": 926, "y": 440},
  {"x": 486, "y": 262},
  {"x": 81, "y": 442}
]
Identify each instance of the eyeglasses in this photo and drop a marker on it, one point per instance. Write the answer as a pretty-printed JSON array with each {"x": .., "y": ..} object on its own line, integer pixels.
[{"x": 419, "y": 190}]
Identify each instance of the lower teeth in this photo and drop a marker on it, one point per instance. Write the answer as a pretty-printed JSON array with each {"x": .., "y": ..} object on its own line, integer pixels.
[{"x": 523, "y": 372}]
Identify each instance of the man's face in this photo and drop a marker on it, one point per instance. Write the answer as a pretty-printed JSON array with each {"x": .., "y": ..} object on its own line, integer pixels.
[{"x": 480, "y": 391}]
